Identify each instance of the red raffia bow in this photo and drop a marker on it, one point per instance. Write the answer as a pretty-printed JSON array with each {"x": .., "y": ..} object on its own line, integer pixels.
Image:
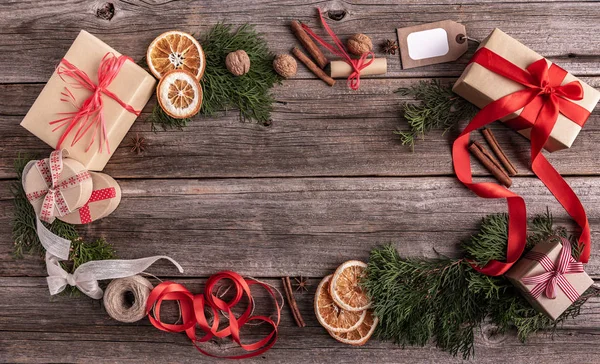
[
  {"x": 340, "y": 51},
  {"x": 90, "y": 113},
  {"x": 193, "y": 314},
  {"x": 544, "y": 96},
  {"x": 555, "y": 274},
  {"x": 51, "y": 170},
  {"x": 97, "y": 195}
]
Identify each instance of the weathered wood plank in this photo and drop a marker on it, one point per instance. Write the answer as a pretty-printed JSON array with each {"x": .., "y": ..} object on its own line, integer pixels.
[
  {"x": 273, "y": 227},
  {"x": 315, "y": 132},
  {"x": 563, "y": 31},
  {"x": 47, "y": 327}
]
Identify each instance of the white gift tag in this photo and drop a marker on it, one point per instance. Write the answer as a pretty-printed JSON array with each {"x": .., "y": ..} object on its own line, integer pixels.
[{"x": 432, "y": 43}]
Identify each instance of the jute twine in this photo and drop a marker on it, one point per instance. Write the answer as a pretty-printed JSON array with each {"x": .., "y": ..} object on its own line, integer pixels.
[{"x": 118, "y": 306}]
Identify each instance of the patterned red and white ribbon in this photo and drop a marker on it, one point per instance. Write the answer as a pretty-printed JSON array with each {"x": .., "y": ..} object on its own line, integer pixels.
[
  {"x": 51, "y": 170},
  {"x": 97, "y": 195},
  {"x": 555, "y": 273}
]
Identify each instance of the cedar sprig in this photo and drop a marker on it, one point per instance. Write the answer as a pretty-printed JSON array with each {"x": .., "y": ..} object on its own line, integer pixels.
[
  {"x": 445, "y": 299},
  {"x": 26, "y": 240},
  {"x": 159, "y": 118},
  {"x": 437, "y": 108}
]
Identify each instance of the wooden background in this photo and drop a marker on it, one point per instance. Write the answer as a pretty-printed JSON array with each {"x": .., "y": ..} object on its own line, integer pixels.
[{"x": 326, "y": 182}]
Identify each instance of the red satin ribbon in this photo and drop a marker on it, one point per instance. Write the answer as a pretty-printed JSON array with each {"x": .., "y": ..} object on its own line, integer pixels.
[
  {"x": 90, "y": 113},
  {"x": 543, "y": 97},
  {"x": 554, "y": 274},
  {"x": 97, "y": 195},
  {"x": 340, "y": 51},
  {"x": 193, "y": 313}
]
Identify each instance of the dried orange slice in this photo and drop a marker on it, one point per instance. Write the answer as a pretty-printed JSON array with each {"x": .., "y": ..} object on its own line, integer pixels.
[
  {"x": 179, "y": 94},
  {"x": 330, "y": 315},
  {"x": 345, "y": 288},
  {"x": 175, "y": 50},
  {"x": 361, "y": 335}
]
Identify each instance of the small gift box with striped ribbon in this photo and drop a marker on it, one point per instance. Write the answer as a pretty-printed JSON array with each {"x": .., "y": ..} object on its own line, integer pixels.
[{"x": 549, "y": 277}]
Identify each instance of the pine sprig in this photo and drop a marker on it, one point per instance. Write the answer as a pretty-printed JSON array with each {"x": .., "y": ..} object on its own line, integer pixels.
[
  {"x": 221, "y": 91},
  {"x": 446, "y": 300},
  {"x": 438, "y": 108}
]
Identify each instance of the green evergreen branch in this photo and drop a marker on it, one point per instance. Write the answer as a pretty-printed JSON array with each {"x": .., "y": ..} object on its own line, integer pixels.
[
  {"x": 438, "y": 108},
  {"x": 417, "y": 300},
  {"x": 222, "y": 91}
]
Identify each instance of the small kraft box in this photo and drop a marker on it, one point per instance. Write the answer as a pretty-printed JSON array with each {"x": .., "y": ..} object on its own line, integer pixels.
[
  {"x": 481, "y": 86},
  {"x": 90, "y": 102},
  {"x": 549, "y": 277}
]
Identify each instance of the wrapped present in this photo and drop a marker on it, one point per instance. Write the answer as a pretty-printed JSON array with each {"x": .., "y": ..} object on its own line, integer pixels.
[
  {"x": 56, "y": 186},
  {"x": 549, "y": 277},
  {"x": 90, "y": 102},
  {"x": 480, "y": 86},
  {"x": 103, "y": 201}
]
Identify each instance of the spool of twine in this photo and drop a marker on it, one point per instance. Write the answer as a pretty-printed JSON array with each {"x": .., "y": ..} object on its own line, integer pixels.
[{"x": 125, "y": 298}]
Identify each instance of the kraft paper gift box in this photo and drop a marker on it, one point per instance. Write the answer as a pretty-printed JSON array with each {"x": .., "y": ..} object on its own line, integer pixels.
[
  {"x": 132, "y": 85},
  {"x": 526, "y": 267},
  {"x": 481, "y": 86}
]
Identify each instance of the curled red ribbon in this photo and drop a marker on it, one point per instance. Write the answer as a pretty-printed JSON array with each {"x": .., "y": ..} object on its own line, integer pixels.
[
  {"x": 90, "y": 113},
  {"x": 542, "y": 98},
  {"x": 340, "y": 51},
  {"x": 554, "y": 274},
  {"x": 193, "y": 312}
]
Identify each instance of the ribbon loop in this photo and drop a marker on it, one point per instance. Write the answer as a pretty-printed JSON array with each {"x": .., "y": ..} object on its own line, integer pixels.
[
  {"x": 89, "y": 116},
  {"x": 542, "y": 99}
]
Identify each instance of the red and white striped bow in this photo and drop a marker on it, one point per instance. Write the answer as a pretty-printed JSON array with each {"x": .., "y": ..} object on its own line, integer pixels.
[
  {"x": 51, "y": 169},
  {"x": 555, "y": 273}
]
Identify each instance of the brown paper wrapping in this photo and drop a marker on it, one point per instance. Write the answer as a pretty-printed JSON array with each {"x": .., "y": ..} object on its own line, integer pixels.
[
  {"x": 75, "y": 197},
  {"x": 481, "y": 86},
  {"x": 341, "y": 69},
  {"x": 101, "y": 208},
  {"x": 527, "y": 268},
  {"x": 132, "y": 85}
]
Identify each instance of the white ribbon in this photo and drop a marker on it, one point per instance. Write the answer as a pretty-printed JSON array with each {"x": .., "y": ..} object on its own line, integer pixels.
[{"x": 87, "y": 275}]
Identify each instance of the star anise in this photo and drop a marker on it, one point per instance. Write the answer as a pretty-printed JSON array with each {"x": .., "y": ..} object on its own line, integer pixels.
[
  {"x": 389, "y": 47},
  {"x": 138, "y": 144},
  {"x": 301, "y": 284}
]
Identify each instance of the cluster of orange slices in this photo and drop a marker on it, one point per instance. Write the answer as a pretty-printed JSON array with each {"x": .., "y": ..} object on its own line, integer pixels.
[
  {"x": 177, "y": 60},
  {"x": 342, "y": 306}
]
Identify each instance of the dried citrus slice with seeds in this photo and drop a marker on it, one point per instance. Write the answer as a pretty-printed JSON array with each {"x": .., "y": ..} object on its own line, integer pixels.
[
  {"x": 331, "y": 316},
  {"x": 361, "y": 335},
  {"x": 345, "y": 286},
  {"x": 175, "y": 50},
  {"x": 179, "y": 94}
]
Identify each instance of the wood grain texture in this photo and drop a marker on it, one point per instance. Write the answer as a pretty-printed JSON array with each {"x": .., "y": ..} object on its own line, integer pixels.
[
  {"x": 326, "y": 182},
  {"x": 562, "y": 31},
  {"x": 316, "y": 131}
]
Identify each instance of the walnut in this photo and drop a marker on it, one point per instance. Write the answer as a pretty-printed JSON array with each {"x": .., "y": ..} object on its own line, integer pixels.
[
  {"x": 285, "y": 65},
  {"x": 359, "y": 44},
  {"x": 238, "y": 62}
]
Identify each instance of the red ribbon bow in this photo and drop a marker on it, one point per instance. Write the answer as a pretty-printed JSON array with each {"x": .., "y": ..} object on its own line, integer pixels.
[
  {"x": 90, "y": 113},
  {"x": 51, "y": 169},
  {"x": 555, "y": 274},
  {"x": 340, "y": 51},
  {"x": 542, "y": 98},
  {"x": 193, "y": 312}
]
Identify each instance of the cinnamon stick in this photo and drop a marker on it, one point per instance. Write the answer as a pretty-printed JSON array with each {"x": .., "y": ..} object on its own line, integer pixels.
[
  {"x": 308, "y": 44},
  {"x": 287, "y": 287},
  {"x": 312, "y": 66},
  {"x": 493, "y": 143},
  {"x": 490, "y": 163}
]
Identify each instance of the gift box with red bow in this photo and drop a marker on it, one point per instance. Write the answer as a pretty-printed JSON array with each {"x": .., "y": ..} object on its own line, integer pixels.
[
  {"x": 549, "y": 277},
  {"x": 90, "y": 102},
  {"x": 487, "y": 79}
]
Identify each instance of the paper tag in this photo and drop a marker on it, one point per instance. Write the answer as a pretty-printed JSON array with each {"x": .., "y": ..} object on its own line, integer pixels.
[{"x": 432, "y": 43}]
